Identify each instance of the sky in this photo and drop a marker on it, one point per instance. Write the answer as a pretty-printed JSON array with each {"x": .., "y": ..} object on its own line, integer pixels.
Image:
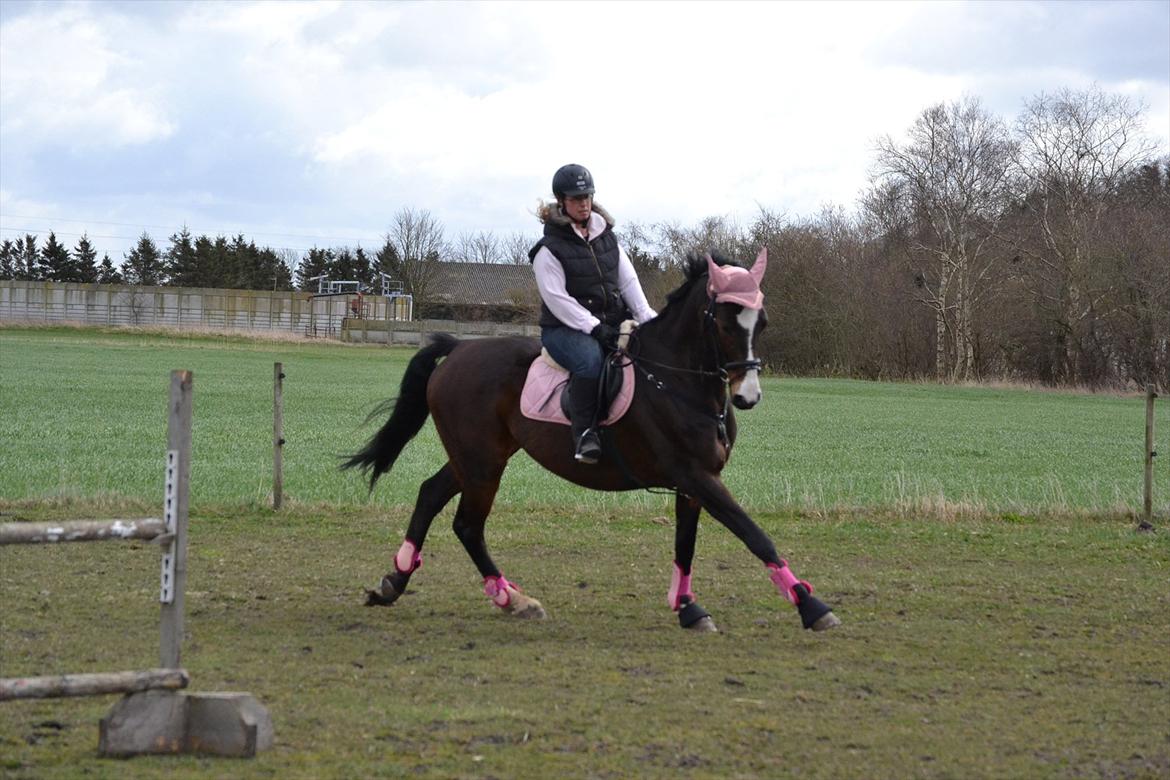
[{"x": 305, "y": 124}]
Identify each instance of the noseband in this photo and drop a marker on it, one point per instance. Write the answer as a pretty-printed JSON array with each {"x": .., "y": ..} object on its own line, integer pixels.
[{"x": 721, "y": 371}]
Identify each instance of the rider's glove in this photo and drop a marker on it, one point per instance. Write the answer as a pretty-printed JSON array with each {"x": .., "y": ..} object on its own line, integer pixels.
[{"x": 606, "y": 334}]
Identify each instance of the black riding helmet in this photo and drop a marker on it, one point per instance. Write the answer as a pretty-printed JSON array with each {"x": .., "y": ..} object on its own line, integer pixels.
[{"x": 572, "y": 180}]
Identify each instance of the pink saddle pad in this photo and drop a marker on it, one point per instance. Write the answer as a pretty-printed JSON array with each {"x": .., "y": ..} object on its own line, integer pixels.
[{"x": 541, "y": 397}]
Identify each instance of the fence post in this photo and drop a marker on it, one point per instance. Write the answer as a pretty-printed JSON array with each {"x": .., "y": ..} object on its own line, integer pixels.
[
  {"x": 277, "y": 434},
  {"x": 1148, "y": 493},
  {"x": 178, "y": 483}
]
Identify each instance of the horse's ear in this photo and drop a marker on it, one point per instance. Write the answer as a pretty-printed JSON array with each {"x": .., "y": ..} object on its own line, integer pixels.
[
  {"x": 712, "y": 267},
  {"x": 760, "y": 266}
]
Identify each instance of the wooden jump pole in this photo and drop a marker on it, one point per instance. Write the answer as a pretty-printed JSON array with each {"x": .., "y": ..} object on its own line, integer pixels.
[
  {"x": 57, "y": 686},
  {"x": 1148, "y": 492},
  {"x": 149, "y": 528},
  {"x": 277, "y": 434}
]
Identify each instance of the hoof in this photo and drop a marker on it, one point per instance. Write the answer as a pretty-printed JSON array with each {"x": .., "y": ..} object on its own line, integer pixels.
[
  {"x": 814, "y": 613},
  {"x": 525, "y": 607},
  {"x": 826, "y": 621},
  {"x": 694, "y": 618},
  {"x": 704, "y": 625},
  {"x": 383, "y": 597}
]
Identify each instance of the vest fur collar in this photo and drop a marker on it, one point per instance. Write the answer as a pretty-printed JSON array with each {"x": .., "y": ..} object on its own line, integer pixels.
[{"x": 557, "y": 216}]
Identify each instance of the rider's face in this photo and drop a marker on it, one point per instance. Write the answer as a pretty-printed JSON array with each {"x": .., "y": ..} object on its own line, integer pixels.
[{"x": 578, "y": 207}]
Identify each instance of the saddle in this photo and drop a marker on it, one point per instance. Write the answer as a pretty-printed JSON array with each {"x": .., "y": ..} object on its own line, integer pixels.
[{"x": 546, "y": 397}]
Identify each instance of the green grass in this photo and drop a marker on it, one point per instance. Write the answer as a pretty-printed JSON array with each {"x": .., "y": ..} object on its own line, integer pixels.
[
  {"x": 1002, "y": 618},
  {"x": 82, "y": 418},
  {"x": 969, "y": 649}
]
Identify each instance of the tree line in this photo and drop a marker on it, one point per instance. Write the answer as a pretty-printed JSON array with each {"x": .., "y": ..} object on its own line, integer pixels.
[
  {"x": 409, "y": 254},
  {"x": 188, "y": 261},
  {"x": 1033, "y": 250},
  {"x": 1036, "y": 249}
]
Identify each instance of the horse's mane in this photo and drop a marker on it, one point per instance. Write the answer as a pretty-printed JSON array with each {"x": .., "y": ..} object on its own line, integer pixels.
[{"x": 694, "y": 270}]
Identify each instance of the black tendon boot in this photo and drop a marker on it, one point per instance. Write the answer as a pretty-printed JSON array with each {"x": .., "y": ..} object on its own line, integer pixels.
[{"x": 582, "y": 411}]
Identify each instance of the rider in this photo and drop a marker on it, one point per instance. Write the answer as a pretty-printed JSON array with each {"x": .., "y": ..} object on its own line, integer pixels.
[{"x": 588, "y": 286}]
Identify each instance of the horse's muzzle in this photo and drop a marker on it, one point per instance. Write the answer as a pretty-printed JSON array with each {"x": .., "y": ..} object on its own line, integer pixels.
[
  {"x": 744, "y": 403},
  {"x": 747, "y": 392}
]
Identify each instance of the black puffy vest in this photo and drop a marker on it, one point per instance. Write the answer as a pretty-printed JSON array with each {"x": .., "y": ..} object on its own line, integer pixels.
[{"x": 591, "y": 272}]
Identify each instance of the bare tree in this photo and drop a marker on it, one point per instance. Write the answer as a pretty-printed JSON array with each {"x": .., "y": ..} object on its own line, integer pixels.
[
  {"x": 942, "y": 191},
  {"x": 417, "y": 237},
  {"x": 515, "y": 246},
  {"x": 721, "y": 234},
  {"x": 480, "y": 247},
  {"x": 1076, "y": 148},
  {"x": 639, "y": 244}
]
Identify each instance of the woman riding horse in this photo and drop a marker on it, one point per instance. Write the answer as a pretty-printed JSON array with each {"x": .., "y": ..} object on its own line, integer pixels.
[
  {"x": 588, "y": 286},
  {"x": 694, "y": 361}
]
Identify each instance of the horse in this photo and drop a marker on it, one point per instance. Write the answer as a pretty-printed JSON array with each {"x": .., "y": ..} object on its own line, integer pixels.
[{"x": 694, "y": 362}]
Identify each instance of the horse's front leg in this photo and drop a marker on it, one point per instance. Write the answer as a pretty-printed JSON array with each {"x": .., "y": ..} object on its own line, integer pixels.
[
  {"x": 679, "y": 597},
  {"x": 713, "y": 496}
]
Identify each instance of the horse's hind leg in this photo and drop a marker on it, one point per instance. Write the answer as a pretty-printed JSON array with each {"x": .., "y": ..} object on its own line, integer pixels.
[
  {"x": 680, "y": 597},
  {"x": 433, "y": 495},
  {"x": 470, "y": 517}
]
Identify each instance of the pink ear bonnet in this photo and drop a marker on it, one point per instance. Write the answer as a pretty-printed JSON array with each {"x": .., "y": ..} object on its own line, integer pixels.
[{"x": 732, "y": 284}]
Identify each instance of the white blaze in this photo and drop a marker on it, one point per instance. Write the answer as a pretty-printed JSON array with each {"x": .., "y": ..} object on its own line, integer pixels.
[{"x": 749, "y": 386}]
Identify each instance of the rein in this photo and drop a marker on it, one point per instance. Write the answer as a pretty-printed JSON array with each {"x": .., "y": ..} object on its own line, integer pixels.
[{"x": 721, "y": 372}]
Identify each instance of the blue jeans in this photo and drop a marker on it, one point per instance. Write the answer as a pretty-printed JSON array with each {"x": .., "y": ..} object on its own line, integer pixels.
[{"x": 579, "y": 352}]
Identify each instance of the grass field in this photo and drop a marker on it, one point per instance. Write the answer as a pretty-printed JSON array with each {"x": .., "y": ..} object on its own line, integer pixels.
[
  {"x": 1002, "y": 618},
  {"x": 82, "y": 415}
]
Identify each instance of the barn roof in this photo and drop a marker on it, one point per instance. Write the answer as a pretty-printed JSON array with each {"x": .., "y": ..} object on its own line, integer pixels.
[{"x": 481, "y": 283}]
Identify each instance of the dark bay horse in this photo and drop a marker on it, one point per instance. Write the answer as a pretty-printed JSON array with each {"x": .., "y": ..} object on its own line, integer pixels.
[{"x": 693, "y": 361}]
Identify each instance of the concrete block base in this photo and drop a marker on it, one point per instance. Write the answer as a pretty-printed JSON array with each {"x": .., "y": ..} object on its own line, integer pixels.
[{"x": 220, "y": 724}]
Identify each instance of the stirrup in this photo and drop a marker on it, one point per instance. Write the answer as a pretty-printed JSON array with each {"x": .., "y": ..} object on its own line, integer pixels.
[{"x": 588, "y": 449}]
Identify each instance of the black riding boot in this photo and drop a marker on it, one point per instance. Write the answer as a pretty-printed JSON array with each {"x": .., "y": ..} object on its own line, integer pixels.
[{"x": 582, "y": 414}]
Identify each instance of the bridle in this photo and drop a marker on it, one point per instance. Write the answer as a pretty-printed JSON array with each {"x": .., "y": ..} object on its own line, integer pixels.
[{"x": 722, "y": 372}]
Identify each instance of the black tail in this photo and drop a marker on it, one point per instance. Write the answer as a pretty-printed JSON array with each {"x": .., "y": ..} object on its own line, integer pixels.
[{"x": 409, "y": 411}]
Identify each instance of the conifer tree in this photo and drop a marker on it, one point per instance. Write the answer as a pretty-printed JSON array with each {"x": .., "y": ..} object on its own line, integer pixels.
[
  {"x": 106, "y": 272},
  {"x": 282, "y": 275},
  {"x": 213, "y": 258},
  {"x": 349, "y": 265},
  {"x": 28, "y": 259},
  {"x": 55, "y": 261},
  {"x": 272, "y": 273},
  {"x": 7, "y": 259},
  {"x": 315, "y": 263},
  {"x": 182, "y": 262},
  {"x": 84, "y": 264},
  {"x": 388, "y": 261},
  {"x": 243, "y": 264},
  {"x": 144, "y": 263}
]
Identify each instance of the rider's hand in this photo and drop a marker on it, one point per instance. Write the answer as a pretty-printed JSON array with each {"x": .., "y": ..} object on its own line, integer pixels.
[{"x": 606, "y": 334}]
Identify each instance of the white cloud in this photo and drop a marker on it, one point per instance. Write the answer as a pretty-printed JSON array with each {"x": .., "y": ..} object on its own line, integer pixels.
[
  {"x": 328, "y": 117},
  {"x": 66, "y": 80}
]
